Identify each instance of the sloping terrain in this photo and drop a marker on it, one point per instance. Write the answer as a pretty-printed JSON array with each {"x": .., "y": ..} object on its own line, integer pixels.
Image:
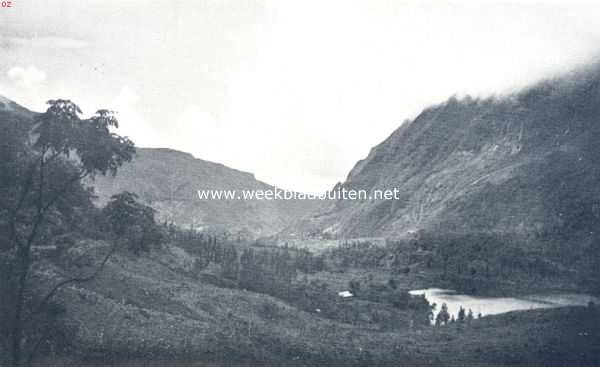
[
  {"x": 524, "y": 164},
  {"x": 152, "y": 310},
  {"x": 168, "y": 181}
]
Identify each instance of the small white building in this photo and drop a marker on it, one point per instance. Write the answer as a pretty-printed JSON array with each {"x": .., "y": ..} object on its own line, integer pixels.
[{"x": 345, "y": 294}]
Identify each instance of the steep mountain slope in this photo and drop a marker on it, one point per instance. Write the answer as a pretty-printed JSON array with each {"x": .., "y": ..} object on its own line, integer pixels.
[
  {"x": 525, "y": 164},
  {"x": 168, "y": 181}
]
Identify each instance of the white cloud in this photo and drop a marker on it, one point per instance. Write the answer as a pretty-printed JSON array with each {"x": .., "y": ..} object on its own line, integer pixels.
[
  {"x": 127, "y": 96},
  {"x": 28, "y": 77},
  {"x": 131, "y": 123},
  {"x": 254, "y": 87},
  {"x": 49, "y": 42},
  {"x": 197, "y": 132}
]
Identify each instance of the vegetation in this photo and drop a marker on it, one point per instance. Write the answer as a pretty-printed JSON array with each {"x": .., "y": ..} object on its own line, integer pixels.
[
  {"x": 132, "y": 222},
  {"x": 41, "y": 191},
  {"x": 476, "y": 263},
  {"x": 142, "y": 292},
  {"x": 443, "y": 316}
]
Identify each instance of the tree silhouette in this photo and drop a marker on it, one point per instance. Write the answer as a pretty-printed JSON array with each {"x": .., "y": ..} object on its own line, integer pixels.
[
  {"x": 443, "y": 316},
  {"x": 132, "y": 222},
  {"x": 51, "y": 159},
  {"x": 461, "y": 314},
  {"x": 470, "y": 316}
]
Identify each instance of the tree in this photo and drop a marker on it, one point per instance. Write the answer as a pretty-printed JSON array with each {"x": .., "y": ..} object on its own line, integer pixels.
[
  {"x": 47, "y": 163},
  {"x": 443, "y": 316},
  {"x": 392, "y": 283},
  {"x": 132, "y": 222},
  {"x": 354, "y": 286},
  {"x": 431, "y": 312},
  {"x": 461, "y": 314},
  {"x": 229, "y": 262},
  {"x": 122, "y": 212},
  {"x": 249, "y": 272},
  {"x": 470, "y": 316},
  {"x": 446, "y": 251}
]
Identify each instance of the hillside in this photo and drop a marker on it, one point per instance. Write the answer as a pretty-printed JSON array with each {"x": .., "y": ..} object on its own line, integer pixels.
[
  {"x": 168, "y": 181},
  {"x": 523, "y": 164},
  {"x": 156, "y": 310},
  {"x": 173, "y": 297}
]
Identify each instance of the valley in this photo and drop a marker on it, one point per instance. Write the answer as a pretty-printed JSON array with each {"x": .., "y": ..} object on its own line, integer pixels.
[
  {"x": 163, "y": 306},
  {"x": 499, "y": 203}
]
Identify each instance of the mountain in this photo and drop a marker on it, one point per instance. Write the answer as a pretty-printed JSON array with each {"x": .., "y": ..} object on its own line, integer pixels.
[
  {"x": 523, "y": 164},
  {"x": 168, "y": 181},
  {"x": 6, "y": 105}
]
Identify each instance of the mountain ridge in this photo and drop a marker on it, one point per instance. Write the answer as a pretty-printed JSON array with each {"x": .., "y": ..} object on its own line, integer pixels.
[
  {"x": 168, "y": 180},
  {"x": 500, "y": 164}
]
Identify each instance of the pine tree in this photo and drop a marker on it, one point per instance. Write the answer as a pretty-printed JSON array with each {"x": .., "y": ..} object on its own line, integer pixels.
[
  {"x": 461, "y": 314},
  {"x": 470, "y": 315},
  {"x": 443, "y": 316}
]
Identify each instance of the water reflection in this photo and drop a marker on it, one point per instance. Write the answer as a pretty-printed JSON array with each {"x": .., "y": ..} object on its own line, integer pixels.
[{"x": 496, "y": 305}]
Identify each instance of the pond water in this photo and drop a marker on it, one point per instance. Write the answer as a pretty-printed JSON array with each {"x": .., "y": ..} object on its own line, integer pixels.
[{"x": 496, "y": 305}]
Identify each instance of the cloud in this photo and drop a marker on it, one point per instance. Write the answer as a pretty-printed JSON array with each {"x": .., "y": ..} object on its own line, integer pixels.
[
  {"x": 196, "y": 131},
  {"x": 28, "y": 77},
  {"x": 131, "y": 122},
  {"x": 49, "y": 42},
  {"x": 127, "y": 96}
]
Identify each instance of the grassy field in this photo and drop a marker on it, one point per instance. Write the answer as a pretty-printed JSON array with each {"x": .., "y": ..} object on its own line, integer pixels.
[
  {"x": 558, "y": 337},
  {"x": 153, "y": 310}
]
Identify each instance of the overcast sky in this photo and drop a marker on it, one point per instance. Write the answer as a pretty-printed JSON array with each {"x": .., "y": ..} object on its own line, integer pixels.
[{"x": 293, "y": 91}]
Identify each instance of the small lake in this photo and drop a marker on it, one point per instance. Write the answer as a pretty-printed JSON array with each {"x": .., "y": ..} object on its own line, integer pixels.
[{"x": 496, "y": 305}]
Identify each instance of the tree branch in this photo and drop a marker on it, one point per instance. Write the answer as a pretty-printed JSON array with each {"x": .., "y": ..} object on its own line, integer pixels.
[{"x": 76, "y": 279}]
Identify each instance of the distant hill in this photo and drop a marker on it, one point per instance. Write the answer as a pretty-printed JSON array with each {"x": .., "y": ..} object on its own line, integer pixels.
[
  {"x": 10, "y": 108},
  {"x": 168, "y": 181},
  {"x": 523, "y": 164}
]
